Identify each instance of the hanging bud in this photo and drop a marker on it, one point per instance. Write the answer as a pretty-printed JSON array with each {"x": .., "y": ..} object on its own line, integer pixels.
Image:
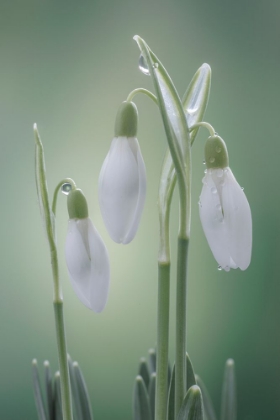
[
  {"x": 86, "y": 255},
  {"x": 224, "y": 210},
  {"x": 122, "y": 180}
]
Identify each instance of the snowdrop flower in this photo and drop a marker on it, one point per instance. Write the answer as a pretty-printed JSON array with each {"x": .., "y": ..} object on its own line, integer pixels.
[
  {"x": 122, "y": 180},
  {"x": 224, "y": 210},
  {"x": 86, "y": 255}
]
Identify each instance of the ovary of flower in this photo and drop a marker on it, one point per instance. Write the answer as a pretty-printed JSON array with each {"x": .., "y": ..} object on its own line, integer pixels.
[
  {"x": 226, "y": 219},
  {"x": 88, "y": 263},
  {"x": 122, "y": 189}
]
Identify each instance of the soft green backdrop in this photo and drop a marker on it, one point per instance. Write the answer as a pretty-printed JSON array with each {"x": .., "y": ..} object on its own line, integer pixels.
[{"x": 67, "y": 65}]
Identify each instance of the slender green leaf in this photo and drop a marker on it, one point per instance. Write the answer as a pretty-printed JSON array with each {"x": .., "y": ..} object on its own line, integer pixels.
[
  {"x": 192, "y": 405},
  {"x": 190, "y": 373},
  {"x": 229, "y": 406},
  {"x": 49, "y": 391},
  {"x": 209, "y": 412},
  {"x": 171, "y": 397},
  {"x": 77, "y": 409},
  {"x": 57, "y": 397},
  {"x": 196, "y": 98},
  {"x": 144, "y": 371},
  {"x": 141, "y": 404},
  {"x": 37, "y": 391},
  {"x": 171, "y": 109},
  {"x": 152, "y": 393},
  {"x": 42, "y": 189},
  {"x": 194, "y": 104},
  {"x": 83, "y": 393},
  {"x": 152, "y": 360}
]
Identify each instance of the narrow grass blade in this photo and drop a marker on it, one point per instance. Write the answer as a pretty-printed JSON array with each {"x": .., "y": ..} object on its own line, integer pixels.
[
  {"x": 83, "y": 393},
  {"x": 152, "y": 360},
  {"x": 152, "y": 393},
  {"x": 57, "y": 397},
  {"x": 192, "y": 405},
  {"x": 209, "y": 412},
  {"x": 171, "y": 397},
  {"x": 141, "y": 404},
  {"x": 190, "y": 373},
  {"x": 229, "y": 406},
  {"x": 144, "y": 371},
  {"x": 77, "y": 409},
  {"x": 49, "y": 391},
  {"x": 37, "y": 391}
]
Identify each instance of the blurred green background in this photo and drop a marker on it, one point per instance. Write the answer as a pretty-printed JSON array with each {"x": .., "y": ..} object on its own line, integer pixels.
[{"x": 67, "y": 65}]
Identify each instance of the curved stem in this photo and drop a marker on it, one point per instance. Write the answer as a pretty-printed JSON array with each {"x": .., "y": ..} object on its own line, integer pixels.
[
  {"x": 205, "y": 125},
  {"x": 142, "y": 90},
  {"x": 63, "y": 181}
]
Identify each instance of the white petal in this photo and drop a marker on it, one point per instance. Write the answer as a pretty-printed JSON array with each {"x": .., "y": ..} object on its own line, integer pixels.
[
  {"x": 238, "y": 220},
  {"x": 212, "y": 221},
  {"x": 226, "y": 219},
  {"x": 122, "y": 189},
  {"x": 88, "y": 263}
]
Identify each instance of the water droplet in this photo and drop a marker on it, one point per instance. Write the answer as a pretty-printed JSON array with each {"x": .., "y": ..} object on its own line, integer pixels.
[
  {"x": 199, "y": 203},
  {"x": 242, "y": 188},
  {"x": 192, "y": 111},
  {"x": 66, "y": 188},
  {"x": 204, "y": 163},
  {"x": 205, "y": 171},
  {"x": 219, "y": 268},
  {"x": 155, "y": 65},
  {"x": 220, "y": 173},
  {"x": 214, "y": 190},
  {"x": 218, "y": 207},
  {"x": 212, "y": 160},
  {"x": 227, "y": 268},
  {"x": 143, "y": 65},
  {"x": 218, "y": 149}
]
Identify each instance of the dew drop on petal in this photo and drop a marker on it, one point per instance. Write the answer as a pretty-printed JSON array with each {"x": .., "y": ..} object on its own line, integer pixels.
[
  {"x": 155, "y": 65},
  {"x": 203, "y": 162},
  {"x": 220, "y": 173},
  {"x": 227, "y": 268},
  {"x": 214, "y": 190},
  {"x": 219, "y": 268},
  {"x": 242, "y": 188},
  {"x": 218, "y": 207},
  {"x": 218, "y": 149},
  {"x": 66, "y": 188},
  {"x": 143, "y": 66},
  {"x": 205, "y": 171},
  {"x": 211, "y": 159}
]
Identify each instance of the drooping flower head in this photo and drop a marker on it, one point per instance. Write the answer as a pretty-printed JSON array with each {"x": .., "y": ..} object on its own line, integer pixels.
[
  {"x": 224, "y": 210},
  {"x": 86, "y": 255},
  {"x": 122, "y": 180}
]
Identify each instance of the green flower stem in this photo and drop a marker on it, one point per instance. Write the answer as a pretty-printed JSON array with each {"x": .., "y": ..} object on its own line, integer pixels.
[
  {"x": 142, "y": 90},
  {"x": 162, "y": 341},
  {"x": 181, "y": 323},
  {"x": 205, "y": 125},
  {"x": 63, "y": 364},
  {"x": 63, "y": 181},
  {"x": 41, "y": 183}
]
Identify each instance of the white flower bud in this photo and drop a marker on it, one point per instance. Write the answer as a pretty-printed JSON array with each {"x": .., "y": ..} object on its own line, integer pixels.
[
  {"x": 226, "y": 219},
  {"x": 122, "y": 189},
  {"x": 88, "y": 263}
]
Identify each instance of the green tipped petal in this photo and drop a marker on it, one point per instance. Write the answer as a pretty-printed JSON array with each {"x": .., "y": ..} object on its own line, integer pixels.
[
  {"x": 216, "y": 155},
  {"x": 77, "y": 205},
  {"x": 126, "y": 120}
]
